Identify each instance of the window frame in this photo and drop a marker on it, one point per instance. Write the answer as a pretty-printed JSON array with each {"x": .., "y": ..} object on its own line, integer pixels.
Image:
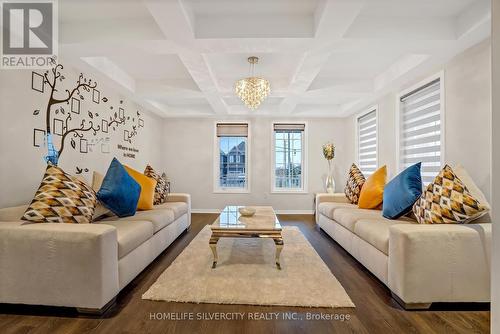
[
  {"x": 304, "y": 169},
  {"x": 440, "y": 75},
  {"x": 365, "y": 112},
  {"x": 216, "y": 163}
]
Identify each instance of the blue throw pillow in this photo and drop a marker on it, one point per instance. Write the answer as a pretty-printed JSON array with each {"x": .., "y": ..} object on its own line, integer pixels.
[
  {"x": 402, "y": 192},
  {"x": 119, "y": 192}
]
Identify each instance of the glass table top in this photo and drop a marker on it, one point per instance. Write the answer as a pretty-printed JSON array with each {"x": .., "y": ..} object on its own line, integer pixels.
[{"x": 263, "y": 219}]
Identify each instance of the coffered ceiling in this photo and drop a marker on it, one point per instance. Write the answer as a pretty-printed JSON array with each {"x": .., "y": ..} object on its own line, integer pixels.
[{"x": 180, "y": 58}]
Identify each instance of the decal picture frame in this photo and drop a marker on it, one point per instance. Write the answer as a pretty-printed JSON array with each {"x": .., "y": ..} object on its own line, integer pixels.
[
  {"x": 96, "y": 96},
  {"x": 105, "y": 148},
  {"x": 105, "y": 126},
  {"x": 38, "y": 137},
  {"x": 58, "y": 127},
  {"x": 37, "y": 82},
  {"x": 84, "y": 145},
  {"x": 75, "y": 105}
]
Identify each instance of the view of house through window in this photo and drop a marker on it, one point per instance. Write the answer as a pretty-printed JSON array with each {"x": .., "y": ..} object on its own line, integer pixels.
[
  {"x": 232, "y": 148},
  {"x": 288, "y": 156}
]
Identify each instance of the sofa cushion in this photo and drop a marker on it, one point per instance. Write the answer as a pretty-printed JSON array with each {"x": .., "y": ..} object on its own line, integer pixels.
[
  {"x": 61, "y": 198},
  {"x": 348, "y": 217},
  {"x": 12, "y": 213},
  {"x": 161, "y": 189},
  {"x": 179, "y": 208},
  {"x": 372, "y": 193},
  {"x": 328, "y": 208},
  {"x": 355, "y": 181},
  {"x": 402, "y": 192},
  {"x": 448, "y": 201},
  {"x": 160, "y": 218},
  {"x": 119, "y": 192},
  {"x": 147, "y": 184},
  {"x": 130, "y": 234},
  {"x": 376, "y": 232}
]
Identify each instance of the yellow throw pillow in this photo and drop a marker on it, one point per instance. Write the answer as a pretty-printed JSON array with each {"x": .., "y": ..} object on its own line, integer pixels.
[
  {"x": 372, "y": 193},
  {"x": 147, "y": 188}
]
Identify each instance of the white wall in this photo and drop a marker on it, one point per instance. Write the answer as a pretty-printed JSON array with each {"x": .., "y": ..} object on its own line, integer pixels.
[
  {"x": 467, "y": 116},
  {"x": 188, "y": 145},
  {"x": 495, "y": 57},
  {"x": 22, "y": 164}
]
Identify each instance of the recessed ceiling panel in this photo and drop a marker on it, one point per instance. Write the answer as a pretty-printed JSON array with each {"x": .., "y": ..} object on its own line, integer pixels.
[{"x": 252, "y": 19}]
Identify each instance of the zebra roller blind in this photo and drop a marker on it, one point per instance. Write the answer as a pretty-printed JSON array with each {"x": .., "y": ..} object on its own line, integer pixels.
[
  {"x": 420, "y": 130},
  {"x": 367, "y": 143}
]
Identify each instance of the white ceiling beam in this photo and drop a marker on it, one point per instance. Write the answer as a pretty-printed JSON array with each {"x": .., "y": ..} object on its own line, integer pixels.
[
  {"x": 325, "y": 85},
  {"x": 183, "y": 87},
  {"x": 331, "y": 26},
  {"x": 103, "y": 80},
  {"x": 175, "y": 22},
  {"x": 472, "y": 17},
  {"x": 402, "y": 28},
  {"x": 123, "y": 30}
]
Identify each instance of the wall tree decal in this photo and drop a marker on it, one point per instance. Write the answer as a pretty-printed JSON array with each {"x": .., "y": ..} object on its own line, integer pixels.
[
  {"x": 53, "y": 78},
  {"x": 67, "y": 103}
]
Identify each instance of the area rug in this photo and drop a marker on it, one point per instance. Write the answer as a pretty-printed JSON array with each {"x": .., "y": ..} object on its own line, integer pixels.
[{"x": 246, "y": 274}]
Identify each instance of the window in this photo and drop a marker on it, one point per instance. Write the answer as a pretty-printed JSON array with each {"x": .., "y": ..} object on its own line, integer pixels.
[
  {"x": 420, "y": 129},
  {"x": 367, "y": 142},
  {"x": 288, "y": 152},
  {"x": 232, "y": 153}
]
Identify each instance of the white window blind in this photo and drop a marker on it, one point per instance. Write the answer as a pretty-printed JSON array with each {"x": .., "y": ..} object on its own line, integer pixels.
[
  {"x": 232, "y": 130},
  {"x": 367, "y": 143},
  {"x": 420, "y": 129}
]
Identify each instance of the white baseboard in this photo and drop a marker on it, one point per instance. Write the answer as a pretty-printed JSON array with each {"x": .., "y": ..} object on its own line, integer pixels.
[
  {"x": 279, "y": 212},
  {"x": 294, "y": 212},
  {"x": 205, "y": 211}
]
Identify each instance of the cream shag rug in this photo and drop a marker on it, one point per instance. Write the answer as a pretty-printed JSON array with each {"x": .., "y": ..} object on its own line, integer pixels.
[{"x": 246, "y": 274}]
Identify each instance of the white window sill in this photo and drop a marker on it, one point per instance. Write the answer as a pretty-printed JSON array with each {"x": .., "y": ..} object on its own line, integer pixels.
[
  {"x": 231, "y": 191},
  {"x": 290, "y": 191}
]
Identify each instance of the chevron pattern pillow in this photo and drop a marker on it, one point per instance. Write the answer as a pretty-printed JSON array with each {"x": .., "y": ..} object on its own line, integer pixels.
[
  {"x": 447, "y": 201},
  {"x": 355, "y": 182},
  {"x": 161, "y": 189},
  {"x": 61, "y": 198}
]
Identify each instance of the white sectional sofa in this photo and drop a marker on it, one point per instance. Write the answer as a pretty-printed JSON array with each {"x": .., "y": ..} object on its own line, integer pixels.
[
  {"x": 420, "y": 264},
  {"x": 83, "y": 265}
]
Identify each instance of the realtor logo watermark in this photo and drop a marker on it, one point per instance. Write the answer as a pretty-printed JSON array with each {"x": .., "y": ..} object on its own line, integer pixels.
[{"x": 29, "y": 34}]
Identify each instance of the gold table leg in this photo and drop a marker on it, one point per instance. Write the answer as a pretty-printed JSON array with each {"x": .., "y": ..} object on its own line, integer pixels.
[
  {"x": 279, "y": 247},
  {"x": 213, "y": 247}
]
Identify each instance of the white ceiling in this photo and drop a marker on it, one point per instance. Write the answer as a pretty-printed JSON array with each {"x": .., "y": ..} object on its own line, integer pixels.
[{"x": 180, "y": 58}]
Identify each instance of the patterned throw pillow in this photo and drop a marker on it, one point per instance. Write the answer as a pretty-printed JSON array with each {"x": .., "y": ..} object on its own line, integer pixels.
[
  {"x": 354, "y": 184},
  {"x": 161, "y": 189},
  {"x": 61, "y": 198},
  {"x": 447, "y": 201}
]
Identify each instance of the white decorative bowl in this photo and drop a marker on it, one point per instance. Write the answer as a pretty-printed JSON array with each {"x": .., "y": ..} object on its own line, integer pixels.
[{"x": 246, "y": 211}]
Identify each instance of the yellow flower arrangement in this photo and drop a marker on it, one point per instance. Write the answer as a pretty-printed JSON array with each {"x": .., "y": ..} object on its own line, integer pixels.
[{"x": 329, "y": 151}]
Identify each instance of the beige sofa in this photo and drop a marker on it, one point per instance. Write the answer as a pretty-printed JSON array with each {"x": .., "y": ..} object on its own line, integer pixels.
[
  {"x": 420, "y": 264},
  {"x": 83, "y": 265}
]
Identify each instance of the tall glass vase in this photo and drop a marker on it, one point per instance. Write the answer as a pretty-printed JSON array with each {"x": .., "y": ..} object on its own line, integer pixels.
[{"x": 330, "y": 182}]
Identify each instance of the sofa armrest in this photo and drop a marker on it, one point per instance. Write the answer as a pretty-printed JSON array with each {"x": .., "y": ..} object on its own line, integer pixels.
[
  {"x": 181, "y": 197},
  {"x": 324, "y": 197},
  {"x": 440, "y": 263},
  {"x": 74, "y": 265}
]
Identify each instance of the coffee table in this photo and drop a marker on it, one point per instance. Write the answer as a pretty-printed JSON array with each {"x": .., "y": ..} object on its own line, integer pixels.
[{"x": 263, "y": 224}]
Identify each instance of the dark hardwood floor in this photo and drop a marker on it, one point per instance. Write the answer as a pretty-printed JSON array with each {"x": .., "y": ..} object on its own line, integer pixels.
[{"x": 375, "y": 312}]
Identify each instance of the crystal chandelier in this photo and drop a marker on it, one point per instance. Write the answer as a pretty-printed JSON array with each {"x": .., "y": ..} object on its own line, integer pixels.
[{"x": 252, "y": 90}]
